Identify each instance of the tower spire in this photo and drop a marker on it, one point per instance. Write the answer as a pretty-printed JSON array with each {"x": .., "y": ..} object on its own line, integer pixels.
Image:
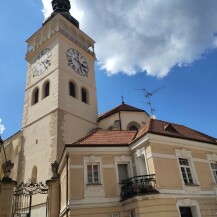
[{"x": 62, "y": 7}]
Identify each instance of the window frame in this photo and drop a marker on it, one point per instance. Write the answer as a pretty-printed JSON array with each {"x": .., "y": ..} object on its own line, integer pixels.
[
  {"x": 93, "y": 177},
  {"x": 75, "y": 89},
  {"x": 212, "y": 158},
  {"x": 92, "y": 160},
  {"x": 36, "y": 90},
  {"x": 113, "y": 215},
  {"x": 186, "y": 171},
  {"x": 182, "y": 153},
  {"x": 193, "y": 204},
  {"x": 123, "y": 160},
  {"x": 45, "y": 89},
  {"x": 87, "y": 100}
]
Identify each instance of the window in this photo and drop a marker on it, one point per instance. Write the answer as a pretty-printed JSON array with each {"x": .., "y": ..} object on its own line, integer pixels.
[
  {"x": 84, "y": 95},
  {"x": 123, "y": 172},
  {"x": 93, "y": 174},
  {"x": 35, "y": 96},
  {"x": 214, "y": 170},
  {"x": 132, "y": 213},
  {"x": 113, "y": 215},
  {"x": 34, "y": 174},
  {"x": 133, "y": 128},
  {"x": 47, "y": 89},
  {"x": 185, "y": 211},
  {"x": 186, "y": 171},
  {"x": 72, "y": 91}
]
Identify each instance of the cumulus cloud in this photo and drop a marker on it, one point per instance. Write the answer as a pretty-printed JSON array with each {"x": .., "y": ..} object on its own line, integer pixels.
[
  {"x": 150, "y": 36},
  {"x": 2, "y": 127}
]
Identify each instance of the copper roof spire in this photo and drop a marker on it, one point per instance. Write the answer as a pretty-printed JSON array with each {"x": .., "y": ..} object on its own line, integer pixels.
[{"x": 62, "y": 7}]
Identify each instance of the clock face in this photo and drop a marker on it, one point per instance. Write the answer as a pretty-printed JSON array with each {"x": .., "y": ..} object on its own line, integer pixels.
[
  {"x": 42, "y": 62},
  {"x": 77, "y": 62}
]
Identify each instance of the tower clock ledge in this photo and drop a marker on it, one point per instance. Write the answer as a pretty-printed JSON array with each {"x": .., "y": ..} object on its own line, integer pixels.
[{"x": 62, "y": 25}]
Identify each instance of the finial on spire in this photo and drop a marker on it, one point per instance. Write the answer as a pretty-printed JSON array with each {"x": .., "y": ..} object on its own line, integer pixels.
[
  {"x": 61, "y": 5},
  {"x": 122, "y": 99}
]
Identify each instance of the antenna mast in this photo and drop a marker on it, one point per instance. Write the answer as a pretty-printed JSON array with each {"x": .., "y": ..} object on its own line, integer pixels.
[{"x": 148, "y": 96}]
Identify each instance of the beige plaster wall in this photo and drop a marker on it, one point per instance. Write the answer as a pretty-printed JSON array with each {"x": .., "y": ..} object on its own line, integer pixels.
[
  {"x": 126, "y": 118},
  {"x": 167, "y": 173},
  {"x": 63, "y": 189},
  {"x": 39, "y": 148}
]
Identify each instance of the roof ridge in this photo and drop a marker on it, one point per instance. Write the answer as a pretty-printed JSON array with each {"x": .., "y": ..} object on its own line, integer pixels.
[{"x": 87, "y": 135}]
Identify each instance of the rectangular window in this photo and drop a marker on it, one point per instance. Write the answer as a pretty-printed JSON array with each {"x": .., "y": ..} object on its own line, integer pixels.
[
  {"x": 93, "y": 174},
  {"x": 123, "y": 172},
  {"x": 132, "y": 213},
  {"x": 113, "y": 215},
  {"x": 185, "y": 211},
  {"x": 186, "y": 171},
  {"x": 214, "y": 170}
]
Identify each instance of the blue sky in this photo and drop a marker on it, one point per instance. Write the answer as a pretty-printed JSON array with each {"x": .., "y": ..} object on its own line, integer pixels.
[{"x": 190, "y": 93}]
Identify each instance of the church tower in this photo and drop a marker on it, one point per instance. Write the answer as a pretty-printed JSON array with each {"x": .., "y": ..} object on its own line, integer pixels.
[{"x": 60, "y": 97}]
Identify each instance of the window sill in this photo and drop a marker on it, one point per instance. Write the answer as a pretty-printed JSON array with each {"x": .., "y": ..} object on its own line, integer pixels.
[
  {"x": 191, "y": 185},
  {"x": 93, "y": 184}
]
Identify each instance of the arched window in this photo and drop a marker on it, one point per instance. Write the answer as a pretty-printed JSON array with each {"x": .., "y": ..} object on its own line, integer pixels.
[
  {"x": 35, "y": 96},
  {"x": 46, "y": 89},
  {"x": 84, "y": 95},
  {"x": 34, "y": 174},
  {"x": 133, "y": 126},
  {"x": 72, "y": 90}
]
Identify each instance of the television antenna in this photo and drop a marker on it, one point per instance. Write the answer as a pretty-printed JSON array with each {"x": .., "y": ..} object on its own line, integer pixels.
[{"x": 148, "y": 96}]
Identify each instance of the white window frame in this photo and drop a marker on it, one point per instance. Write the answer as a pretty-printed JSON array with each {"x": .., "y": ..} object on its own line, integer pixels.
[
  {"x": 193, "y": 204},
  {"x": 113, "y": 215},
  {"x": 93, "y": 175},
  {"x": 182, "y": 153},
  {"x": 92, "y": 160},
  {"x": 212, "y": 158},
  {"x": 124, "y": 160},
  {"x": 141, "y": 153},
  {"x": 187, "y": 169}
]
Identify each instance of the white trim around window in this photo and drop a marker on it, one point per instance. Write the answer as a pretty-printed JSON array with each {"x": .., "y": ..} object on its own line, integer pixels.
[
  {"x": 212, "y": 158},
  {"x": 124, "y": 160},
  {"x": 192, "y": 204},
  {"x": 93, "y": 165},
  {"x": 93, "y": 183},
  {"x": 186, "y": 167}
]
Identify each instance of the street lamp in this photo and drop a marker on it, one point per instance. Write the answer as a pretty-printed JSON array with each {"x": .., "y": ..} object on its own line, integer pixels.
[{"x": 7, "y": 164}]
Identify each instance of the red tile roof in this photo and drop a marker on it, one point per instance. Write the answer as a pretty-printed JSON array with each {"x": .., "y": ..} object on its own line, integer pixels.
[
  {"x": 100, "y": 137},
  {"x": 174, "y": 130},
  {"x": 122, "y": 107}
]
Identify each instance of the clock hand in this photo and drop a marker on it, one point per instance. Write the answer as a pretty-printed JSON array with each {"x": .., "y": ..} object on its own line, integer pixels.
[
  {"x": 83, "y": 66},
  {"x": 43, "y": 62}
]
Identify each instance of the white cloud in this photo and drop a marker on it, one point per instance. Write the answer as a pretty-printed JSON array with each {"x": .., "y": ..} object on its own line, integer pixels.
[
  {"x": 144, "y": 35},
  {"x": 2, "y": 127}
]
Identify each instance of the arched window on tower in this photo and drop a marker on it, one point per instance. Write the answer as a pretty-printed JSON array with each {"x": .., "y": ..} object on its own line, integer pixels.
[
  {"x": 84, "y": 95},
  {"x": 72, "y": 89},
  {"x": 34, "y": 174},
  {"x": 35, "y": 96},
  {"x": 46, "y": 89}
]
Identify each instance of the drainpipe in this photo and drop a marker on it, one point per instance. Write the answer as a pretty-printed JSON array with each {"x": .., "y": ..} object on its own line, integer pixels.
[
  {"x": 67, "y": 183},
  {"x": 119, "y": 113}
]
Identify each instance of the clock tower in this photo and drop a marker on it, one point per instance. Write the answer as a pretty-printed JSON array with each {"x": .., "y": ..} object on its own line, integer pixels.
[{"x": 60, "y": 97}]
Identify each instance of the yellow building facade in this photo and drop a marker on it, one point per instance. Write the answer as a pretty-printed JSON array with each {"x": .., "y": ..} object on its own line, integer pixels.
[{"x": 122, "y": 163}]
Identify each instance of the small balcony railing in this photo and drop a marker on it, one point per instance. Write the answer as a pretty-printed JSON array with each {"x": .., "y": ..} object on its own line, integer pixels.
[{"x": 138, "y": 185}]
